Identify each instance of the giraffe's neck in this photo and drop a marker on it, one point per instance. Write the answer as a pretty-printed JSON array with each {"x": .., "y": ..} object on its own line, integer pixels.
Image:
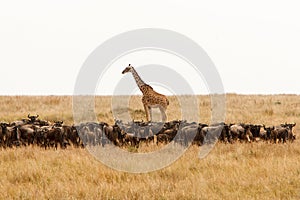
[{"x": 138, "y": 79}]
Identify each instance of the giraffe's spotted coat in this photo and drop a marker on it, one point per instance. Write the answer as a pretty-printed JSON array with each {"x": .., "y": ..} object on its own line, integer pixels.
[{"x": 151, "y": 99}]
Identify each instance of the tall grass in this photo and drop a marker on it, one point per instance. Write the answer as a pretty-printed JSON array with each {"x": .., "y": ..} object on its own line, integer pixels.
[{"x": 238, "y": 171}]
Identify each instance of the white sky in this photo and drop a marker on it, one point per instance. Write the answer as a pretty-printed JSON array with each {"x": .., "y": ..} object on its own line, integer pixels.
[{"x": 255, "y": 45}]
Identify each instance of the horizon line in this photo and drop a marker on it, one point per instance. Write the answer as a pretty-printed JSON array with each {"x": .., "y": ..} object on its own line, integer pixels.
[{"x": 109, "y": 95}]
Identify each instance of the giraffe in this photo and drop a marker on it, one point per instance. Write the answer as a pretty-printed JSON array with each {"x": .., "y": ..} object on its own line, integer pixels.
[{"x": 151, "y": 99}]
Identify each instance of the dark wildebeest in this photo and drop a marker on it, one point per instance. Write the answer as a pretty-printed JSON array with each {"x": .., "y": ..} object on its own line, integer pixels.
[
  {"x": 199, "y": 138},
  {"x": 11, "y": 136},
  {"x": 280, "y": 134},
  {"x": 169, "y": 132},
  {"x": 256, "y": 132},
  {"x": 289, "y": 127},
  {"x": 114, "y": 134},
  {"x": 54, "y": 136},
  {"x": 163, "y": 138},
  {"x": 131, "y": 140},
  {"x": 32, "y": 118},
  {"x": 58, "y": 124},
  {"x": 39, "y": 135},
  {"x": 71, "y": 135},
  {"x": 3, "y": 135},
  {"x": 26, "y": 134},
  {"x": 247, "y": 136},
  {"x": 271, "y": 133},
  {"x": 225, "y": 135}
]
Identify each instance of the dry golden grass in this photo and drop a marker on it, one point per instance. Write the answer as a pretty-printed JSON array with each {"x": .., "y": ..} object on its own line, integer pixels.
[{"x": 238, "y": 171}]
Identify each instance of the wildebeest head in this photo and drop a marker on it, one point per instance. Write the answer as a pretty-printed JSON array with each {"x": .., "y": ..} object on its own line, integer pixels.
[
  {"x": 269, "y": 130},
  {"x": 58, "y": 123},
  {"x": 32, "y": 117},
  {"x": 255, "y": 130},
  {"x": 290, "y": 126},
  {"x": 3, "y": 125}
]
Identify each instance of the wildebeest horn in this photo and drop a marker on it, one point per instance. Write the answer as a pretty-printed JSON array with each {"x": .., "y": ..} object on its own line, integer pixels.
[
  {"x": 28, "y": 115},
  {"x": 37, "y": 116}
]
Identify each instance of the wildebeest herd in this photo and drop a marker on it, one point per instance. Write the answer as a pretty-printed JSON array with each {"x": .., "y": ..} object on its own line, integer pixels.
[{"x": 36, "y": 132}]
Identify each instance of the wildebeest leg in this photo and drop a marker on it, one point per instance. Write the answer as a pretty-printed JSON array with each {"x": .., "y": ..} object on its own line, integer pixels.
[
  {"x": 46, "y": 143},
  {"x": 55, "y": 145},
  {"x": 103, "y": 139}
]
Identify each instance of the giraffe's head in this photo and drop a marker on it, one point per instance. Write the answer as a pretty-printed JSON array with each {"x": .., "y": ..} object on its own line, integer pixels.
[{"x": 127, "y": 69}]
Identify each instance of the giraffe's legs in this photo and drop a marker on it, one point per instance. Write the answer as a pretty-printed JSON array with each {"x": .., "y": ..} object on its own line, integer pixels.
[
  {"x": 150, "y": 111},
  {"x": 163, "y": 113},
  {"x": 147, "y": 111}
]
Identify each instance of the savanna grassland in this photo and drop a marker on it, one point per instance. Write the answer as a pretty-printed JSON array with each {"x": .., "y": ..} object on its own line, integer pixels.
[{"x": 230, "y": 171}]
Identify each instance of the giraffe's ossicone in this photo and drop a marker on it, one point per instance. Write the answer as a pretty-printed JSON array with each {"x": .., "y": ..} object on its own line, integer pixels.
[{"x": 151, "y": 99}]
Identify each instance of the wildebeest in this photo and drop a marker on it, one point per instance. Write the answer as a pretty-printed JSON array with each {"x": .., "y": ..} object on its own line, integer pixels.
[
  {"x": 212, "y": 132},
  {"x": 11, "y": 136},
  {"x": 26, "y": 134},
  {"x": 289, "y": 127},
  {"x": 114, "y": 134},
  {"x": 3, "y": 135},
  {"x": 225, "y": 135},
  {"x": 58, "y": 123},
  {"x": 32, "y": 118},
  {"x": 256, "y": 131},
  {"x": 34, "y": 131},
  {"x": 87, "y": 136},
  {"x": 71, "y": 135},
  {"x": 129, "y": 139},
  {"x": 188, "y": 132},
  {"x": 53, "y": 137},
  {"x": 236, "y": 130},
  {"x": 169, "y": 132},
  {"x": 241, "y": 132}
]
